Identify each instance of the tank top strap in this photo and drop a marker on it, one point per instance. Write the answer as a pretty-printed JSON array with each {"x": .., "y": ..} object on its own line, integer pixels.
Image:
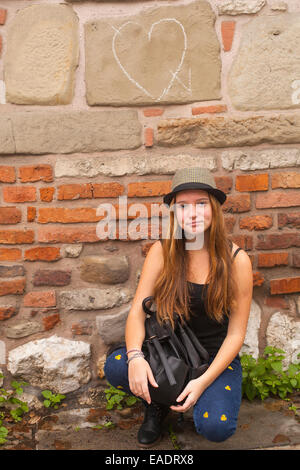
[{"x": 236, "y": 251}]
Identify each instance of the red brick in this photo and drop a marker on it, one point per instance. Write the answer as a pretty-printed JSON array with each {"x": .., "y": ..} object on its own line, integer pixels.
[
  {"x": 68, "y": 234},
  {"x": 287, "y": 285},
  {"x": 50, "y": 321},
  {"x": 256, "y": 222},
  {"x": 270, "y": 260},
  {"x": 3, "y": 13},
  {"x": 7, "y": 312},
  {"x": 238, "y": 203},
  {"x": 275, "y": 241},
  {"x": 67, "y": 215},
  {"x": 40, "y": 299},
  {"x": 10, "y": 215},
  {"x": 252, "y": 182},
  {"x": 75, "y": 191},
  {"x": 290, "y": 219},
  {"x": 36, "y": 173},
  {"x": 31, "y": 213},
  {"x": 227, "y": 31},
  {"x": 42, "y": 253},
  {"x": 288, "y": 179},
  {"x": 243, "y": 241},
  {"x": 83, "y": 327},
  {"x": 230, "y": 222},
  {"x": 19, "y": 193},
  {"x": 258, "y": 279},
  {"x": 46, "y": 194},
  {"x": 111, "y": 189},
  {"x": 224, "y": 183},
  {"x": 276, "y": 302},
  {"x": 149, "y": 137},
  {"x": 7, "y": 174},
  {"x": 277, "y": 199},
  {"x": 17, "y": 286},
  {"x": 12, "y": 237},
  {"x": 152, "y": 112},
  {"x": 296, "y": 260},
  {"x": 149, "y": 188},
  {"x": 10, "y": 254},
  {"x": 218, "y": 108}
]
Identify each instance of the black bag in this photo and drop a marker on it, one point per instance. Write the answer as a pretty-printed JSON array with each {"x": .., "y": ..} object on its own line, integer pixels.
[{"x": 174, "y": 355}]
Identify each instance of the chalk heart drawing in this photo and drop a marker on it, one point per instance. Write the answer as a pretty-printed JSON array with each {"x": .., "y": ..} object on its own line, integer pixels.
[{"x": 173, "y": 74}]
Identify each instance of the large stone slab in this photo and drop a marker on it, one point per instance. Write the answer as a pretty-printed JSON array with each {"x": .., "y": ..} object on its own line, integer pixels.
[
  {"x": 230, "y": 131},
  {"x": 93, "y": 298},
  {"x": 284, "y": 332},
  {"x": 40, "y": 132},
  {"x": 167, "y": 54},
  {"x": 266, "y": 70},
  {"x": 42, "y": 55},
  {"x": 54, "y": 363},
  {"x": 238, "y": 7}
]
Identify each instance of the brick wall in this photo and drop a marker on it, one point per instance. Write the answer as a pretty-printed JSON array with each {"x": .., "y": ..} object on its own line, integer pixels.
[{"x": 86, "y": 119}]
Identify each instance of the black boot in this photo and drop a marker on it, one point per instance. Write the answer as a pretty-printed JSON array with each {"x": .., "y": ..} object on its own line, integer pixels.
[{"x": 150, "y": 431}]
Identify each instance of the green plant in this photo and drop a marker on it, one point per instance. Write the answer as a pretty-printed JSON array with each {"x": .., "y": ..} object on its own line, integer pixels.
[
  {"x": 52, "y": 399},
  {"x": 117, "y": 398},
  {"x": 265, "y": 376},
  {"x": 107, "y": 425},
  {"x": 7, "y": 399},
  {"x": 173, "y": 437}
]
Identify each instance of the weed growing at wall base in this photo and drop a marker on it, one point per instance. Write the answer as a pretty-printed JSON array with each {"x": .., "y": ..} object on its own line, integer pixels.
[{"x": 265, "y": 376}]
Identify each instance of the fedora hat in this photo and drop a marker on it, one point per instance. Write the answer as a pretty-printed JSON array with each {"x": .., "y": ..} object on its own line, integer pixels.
[{"x": 194, "y": 178}]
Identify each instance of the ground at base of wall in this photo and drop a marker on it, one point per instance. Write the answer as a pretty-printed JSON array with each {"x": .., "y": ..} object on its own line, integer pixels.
[{"x": 261, "y": 425}]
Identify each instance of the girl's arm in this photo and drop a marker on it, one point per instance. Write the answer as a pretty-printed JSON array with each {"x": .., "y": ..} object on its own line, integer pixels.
[
  {"x": 139, "y": 371},
  {"x": 237, "y": 327}
]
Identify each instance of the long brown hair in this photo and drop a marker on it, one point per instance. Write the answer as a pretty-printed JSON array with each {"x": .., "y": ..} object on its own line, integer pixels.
[{"x": 172, "y": 291}]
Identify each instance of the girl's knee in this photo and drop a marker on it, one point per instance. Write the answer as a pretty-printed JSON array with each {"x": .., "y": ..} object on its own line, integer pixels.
[
  {"x": 216, "y": 430},
  {"x": 115, "y": 368}
]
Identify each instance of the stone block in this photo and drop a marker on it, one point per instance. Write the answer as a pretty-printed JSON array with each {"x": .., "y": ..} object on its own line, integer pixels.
[{"x": 167, "y": 54}]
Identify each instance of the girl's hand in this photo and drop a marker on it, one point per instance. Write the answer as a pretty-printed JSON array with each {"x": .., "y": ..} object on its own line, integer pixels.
[
  {"x": 139, "y": 373},
  {"x": 191, "y": 392}
]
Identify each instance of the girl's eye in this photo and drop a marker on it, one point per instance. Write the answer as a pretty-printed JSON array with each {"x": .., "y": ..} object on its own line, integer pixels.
[{"x": 197, "y": 204}]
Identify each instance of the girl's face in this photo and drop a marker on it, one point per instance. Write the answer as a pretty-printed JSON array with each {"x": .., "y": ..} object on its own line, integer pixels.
[{"x": 193, "y": 211}]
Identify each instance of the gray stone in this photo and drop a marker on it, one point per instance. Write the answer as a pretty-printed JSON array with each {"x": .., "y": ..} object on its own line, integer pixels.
[
  {"x": 229, "y": 131},
  {"x": 104, "y": 269},
  {"x": 155, "y": 56},
  {"x": 69, "y": 131},
  {"x": 54, "y": 363},
  {"x": 2, "y": 352},
  {"x": 265, "y": 71},
  {"x": 72, "y": 251},
  {"x": 250, "y": 345},
  {"x": 284, "y": 332},
  {"x": 111, "y": 328},
  {"x": 22, "y": 329},
  {"x": 7, "y": 142},
  {"x": 110, "y": 165},
  {"x": 94, "y": 298},
  {"x": 246, "y": 160},
  {"x": 238, "y": 7},
  {"x": 42, "y": 55},
  {"x": 1, "y": 378}
]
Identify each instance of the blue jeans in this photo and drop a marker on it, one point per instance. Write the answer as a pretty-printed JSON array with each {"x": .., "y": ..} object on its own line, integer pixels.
[{"x": 216, "y": 411}]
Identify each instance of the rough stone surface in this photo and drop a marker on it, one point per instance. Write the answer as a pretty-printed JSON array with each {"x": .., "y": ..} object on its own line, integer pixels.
[
  {"x": 94, "y": 298},
  {"x": 38, "y": 132},
  {"x": 53, "y": 363},
  {"x": 265, "y": 71},
  {"x": 104, "y": 269},
  {"x": 238, "y": 7},
  {"x": 249, "y": 160},
  {"x": 129, "y": 164},
  {"x": 22, "y": 329},
  {"x": 72, "y": 251},
  {"x": 133, "y": 68},
  {"x": 2, "y": 352},
  {"x": 42, "y": 55},
  {"x": 284, "y": 332},
  {"x": 250, "y": 345},
  {"x": 229, "y": 131},
  {"x": 111, "y": 328}
]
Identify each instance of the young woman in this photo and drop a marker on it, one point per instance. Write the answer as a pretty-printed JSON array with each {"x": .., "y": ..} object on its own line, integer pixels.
[{"x": 194, "y": 272}]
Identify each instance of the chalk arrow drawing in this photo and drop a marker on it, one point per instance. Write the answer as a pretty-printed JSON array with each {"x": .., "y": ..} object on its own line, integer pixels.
[{"x": 174, "y": 75}]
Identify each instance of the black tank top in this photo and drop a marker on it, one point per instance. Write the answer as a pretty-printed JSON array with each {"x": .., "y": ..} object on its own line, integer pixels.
[{"x": 210, "y": 333}]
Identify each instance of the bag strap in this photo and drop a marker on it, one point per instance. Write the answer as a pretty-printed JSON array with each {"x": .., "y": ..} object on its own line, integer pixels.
[{"x": 198, "y": 346}]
